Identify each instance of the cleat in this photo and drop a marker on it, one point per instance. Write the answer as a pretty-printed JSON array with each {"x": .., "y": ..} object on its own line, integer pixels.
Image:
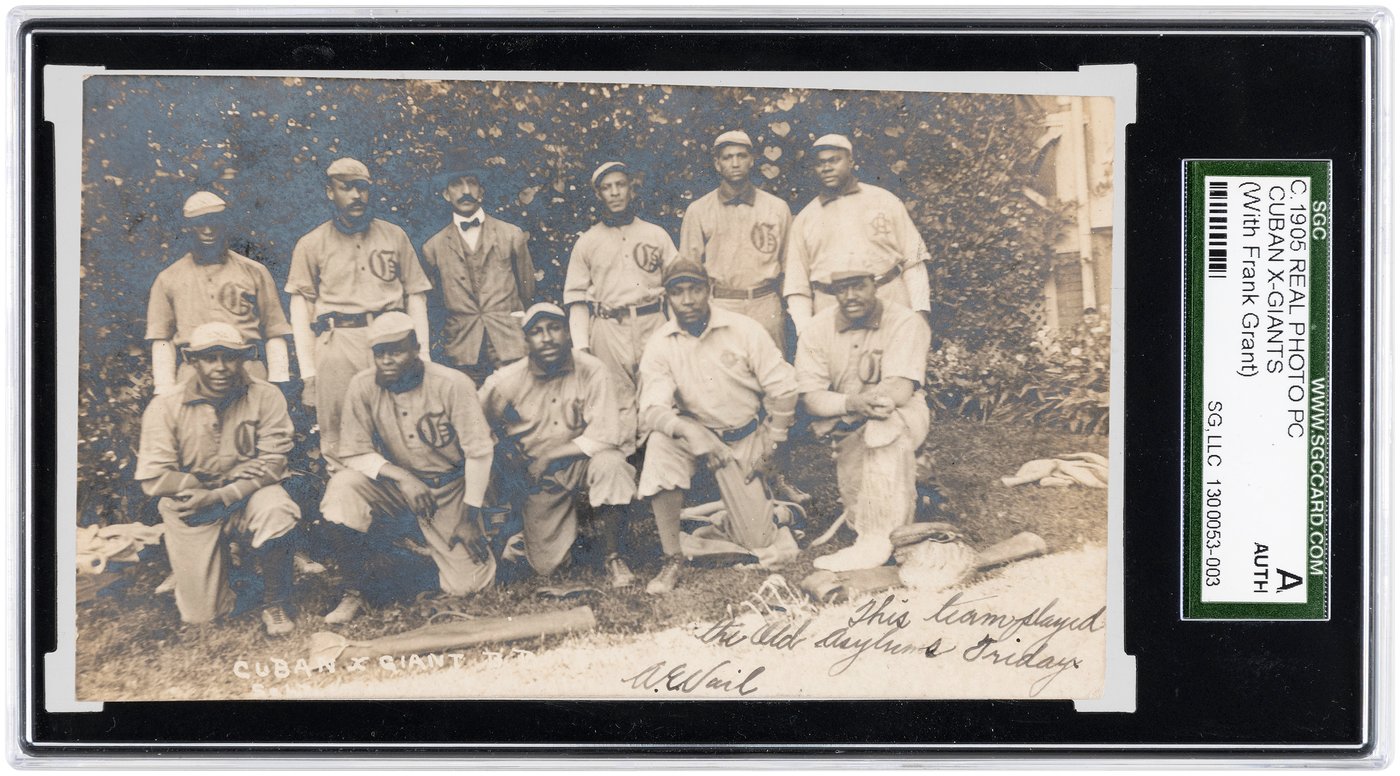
[
  {"x": 276, "y": 621},
  {"x": 620, "y": 575},
  {"x": 346, "y": 610},
  {"x": 670, "y": 574},
  {"x": 785, "y": 490},
  {"x": 304, "y": 565}
]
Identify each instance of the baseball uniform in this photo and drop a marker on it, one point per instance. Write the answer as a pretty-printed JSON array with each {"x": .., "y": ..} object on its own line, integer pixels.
[
  {"x": 191, "y": 440},
  {"x": 348, "y": 277},
  {"x": 617, "y": 271},
  {"x": 538, "y": 410},
  {"x": 727, "y": 379},
  {"x": 430, "y": 430},
  {"x": 740, "y": 236},
  {"x": 237, "y": 291},
  {"x": 862, "y": 228},
  {"x": 835, "y": 359},
  {"x": 483, "y": 270}
]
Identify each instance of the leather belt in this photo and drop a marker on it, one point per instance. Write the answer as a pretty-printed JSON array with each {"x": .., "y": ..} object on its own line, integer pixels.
[
  {"x": 766, "y": 288},
  {"x": 436, "y": 481},
  {"x": 880, "y": 280},
  {"x": 328, "y": 321},
  {"x": 626, "y": 311},
  {"x": 731, "y": 435},
  {"x": 846, "y": 427}
]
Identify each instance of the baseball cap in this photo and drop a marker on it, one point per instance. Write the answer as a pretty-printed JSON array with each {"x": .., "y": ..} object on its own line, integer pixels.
[
  {"x": 605, "y": 168},
  {"x": 833, "y": 141},
  {"x": 348, "y": 169},
  {"x": 203, "y": 203},
  {"x": 732, "y": 137},
  {"x": 216, "y": 335},
  {"x": 389, "y": 327},
  {"x": 684, "y": 269},
  {"x": 545, "y": 309}
]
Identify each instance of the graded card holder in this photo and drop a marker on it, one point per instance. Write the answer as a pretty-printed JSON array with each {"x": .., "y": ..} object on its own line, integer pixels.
[{"x": 1258, "y": 456}]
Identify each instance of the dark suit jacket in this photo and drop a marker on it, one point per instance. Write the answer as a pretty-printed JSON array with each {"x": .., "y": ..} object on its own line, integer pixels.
[{"x": 479, "y": 290}]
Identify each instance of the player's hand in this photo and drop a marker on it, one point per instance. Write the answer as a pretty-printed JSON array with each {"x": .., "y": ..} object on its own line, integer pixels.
[
  {"x": 192, "y": 501},
  {"x": 765, "y": 464},
  {"x": 468, "y": 533},
  {"x": 703, "y": 443},
  {"x": 416, "y": 493},
  {"x": 248, "y": 470},
  {"x": 871, "y": 405},
  {"x": 308, "y": 392}
]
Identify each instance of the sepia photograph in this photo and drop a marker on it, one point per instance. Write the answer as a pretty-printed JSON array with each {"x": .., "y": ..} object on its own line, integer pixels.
[{"x": 463, "y": 388}]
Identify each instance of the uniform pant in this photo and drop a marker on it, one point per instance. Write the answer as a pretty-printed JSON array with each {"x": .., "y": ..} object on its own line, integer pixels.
[
  {"x": 340, "y": 355},
  {"x": 767, "y": 310},
  {"x": 377, "y": 511},
  {"x": 618, "y": 343},
  {"x": 199, "y": 553},
  {"x": 670, "y": 465},
  {"x": 877, "y": 482},
  {"x": 550, "y": 515}
]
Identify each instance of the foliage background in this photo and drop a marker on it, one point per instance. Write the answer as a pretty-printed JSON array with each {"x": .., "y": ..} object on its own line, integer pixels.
[{"x": 961, "y": 162}]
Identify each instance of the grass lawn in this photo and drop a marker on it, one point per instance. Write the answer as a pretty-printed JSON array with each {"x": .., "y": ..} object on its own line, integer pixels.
[{"x": 132, "y": 645}]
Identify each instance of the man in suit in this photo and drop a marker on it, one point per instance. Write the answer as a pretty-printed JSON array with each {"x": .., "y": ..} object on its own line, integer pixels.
[{"x": 481, "y": 272}]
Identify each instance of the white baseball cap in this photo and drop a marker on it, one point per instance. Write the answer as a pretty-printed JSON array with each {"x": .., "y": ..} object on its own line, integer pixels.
[
  {"x": 348, "y": 169},
  {"x": 216, "y": 335},
  {"x": 202, "y": 203},
  {"x": 605, "y": 168},
  {"x": 389, "y": 327},
  {"x": 833, "y": 141},
  {"x": 732, "y": 137}
]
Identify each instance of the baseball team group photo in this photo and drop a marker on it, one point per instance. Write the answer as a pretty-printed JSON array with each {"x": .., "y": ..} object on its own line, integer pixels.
[{"x": 399, "y": 388}]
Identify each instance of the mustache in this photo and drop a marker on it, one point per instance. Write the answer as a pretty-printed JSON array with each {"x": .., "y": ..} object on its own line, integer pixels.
[{"x": 467, "y": 199}]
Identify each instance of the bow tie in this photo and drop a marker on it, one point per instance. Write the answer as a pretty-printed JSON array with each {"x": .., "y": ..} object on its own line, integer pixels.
[{"x": 473, "y": 224}]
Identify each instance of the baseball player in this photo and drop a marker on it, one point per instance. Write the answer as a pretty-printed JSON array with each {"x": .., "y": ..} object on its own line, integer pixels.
[
  {"x": 860, "y": 368},
  {"x": 213, "y": 283},
  {"x": 417, "y": 457},
  {"x": 714, "y": 387},
  {"x": 738, "y": 233},
  {"x": 482, "y": 268},
  {"x": 344, "y": 273},
  {"x": 557, "y": 413},
  {"x": 612, "y": 287},
  {"x": 214, "y": 449},
  {"x": 852, "y": 226}
]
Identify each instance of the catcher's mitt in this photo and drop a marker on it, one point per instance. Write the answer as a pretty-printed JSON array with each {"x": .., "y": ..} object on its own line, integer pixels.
[{"x": 932, "y": 556}]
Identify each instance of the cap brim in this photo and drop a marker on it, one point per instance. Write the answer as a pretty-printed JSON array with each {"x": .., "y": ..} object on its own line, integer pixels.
[{"x": 243, "y": 350}]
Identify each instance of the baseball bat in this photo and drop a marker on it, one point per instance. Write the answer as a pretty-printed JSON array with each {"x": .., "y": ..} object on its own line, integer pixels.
[{"x": 1022, "y": 545}]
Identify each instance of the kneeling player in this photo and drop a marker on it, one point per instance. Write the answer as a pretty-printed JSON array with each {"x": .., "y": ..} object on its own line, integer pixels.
[
  {"x": 558, "y": 416},
  {"x": 214, "y": 449},
  {"x": 417, "y": 454}
]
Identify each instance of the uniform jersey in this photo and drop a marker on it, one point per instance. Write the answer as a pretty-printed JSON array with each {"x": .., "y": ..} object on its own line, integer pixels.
[
  {"x": 867, "y": 229},
  {"x": 544, "y": 410},
  {"x": 369, "y": 271},
  {"x": 237, "y": 291},
  {"x": 720, "y": 378},
  {"x": 430, "y": 429},
  {"x": 185, "y": 432},
  {"x": 835, "y": 356},
  {"x": 616, "y": 266},
  {"x": 740, "y": 238}
]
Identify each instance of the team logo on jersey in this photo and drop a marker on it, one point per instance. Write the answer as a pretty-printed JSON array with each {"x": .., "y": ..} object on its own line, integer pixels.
[
  {"x": 385, "y": 265},
  {"x": 881, "y": 225},
  {"x": 573, "y": 415},
  {"x": 245, "y": 439},
  {"x": 764, "y": 237},
  {"x": 730, "y": 359},
  {"x": 237, "y": 299},
  {"x": 869, "y": 368},
  {"x": 647, "y": 256},
  {"x": 435, "y": 430}
]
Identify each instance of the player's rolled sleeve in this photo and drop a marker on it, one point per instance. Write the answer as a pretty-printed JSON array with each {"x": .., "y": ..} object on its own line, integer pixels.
[
  {"x": 415, "y": 280},
  {"x": 692, "y": 244},
  {"x": 305, "y": 275},
  {"x": 357, "y": 419},
  {"x": 160, "y": 313},
  {"x": 156, "y": 455},
  {"x": 274, "y": 318},
  {"x": 577, "y": 276},
  {"x": 812, "y": 367},
  {"x": 797, "y": 263},
  {"x": 776, "y": 376},
  {"x": 906, "y": 354},
  {"x": 469, "y": 420},
  {"x": 601, "y": 416}
]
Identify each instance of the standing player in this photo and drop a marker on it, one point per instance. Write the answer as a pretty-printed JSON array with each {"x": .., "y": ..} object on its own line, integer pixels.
[
  {"x": 738, "y": 233},
  {"x": 214, "y": 451},
  {"x": 344, "y": 273},
  {"x": 714, "y": 388},
  {"x": 213, "y": 283},
  {"x": 852, "y": 226},
  {"x": 417, "y": 457},
  {"x": 612, "y": 287},
  {"x": 481, "y": 266},
  {"x": 556, "y": 412},
  {"x": 860, "y": 367}
]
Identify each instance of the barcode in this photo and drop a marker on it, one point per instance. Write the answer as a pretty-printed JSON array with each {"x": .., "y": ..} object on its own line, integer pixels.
[{"x": 1217, "y": 219}]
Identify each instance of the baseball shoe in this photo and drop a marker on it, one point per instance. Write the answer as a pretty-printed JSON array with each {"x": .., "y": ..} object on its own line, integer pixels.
[
  {"x": 620, "y": 575},
  {"x": 276, "y": 621},
  {"x": 305, "y": 565},
  {"x": 785, "y": 490},
  {"x": 670, "y": 574},
  {"x": 346, "y": 610}
]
